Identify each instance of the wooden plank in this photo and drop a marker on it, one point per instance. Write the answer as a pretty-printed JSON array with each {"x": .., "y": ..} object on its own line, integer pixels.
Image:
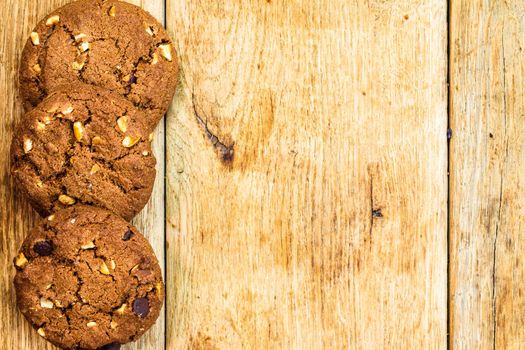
[
  {"x": 318, "y": 219},
  {"x": 487, "y": 184},
  {"x": 151, "y": 219},
  {"x": 16, "y": 218}
]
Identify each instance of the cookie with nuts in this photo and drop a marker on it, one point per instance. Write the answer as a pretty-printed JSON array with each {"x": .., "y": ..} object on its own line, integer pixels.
[
  {"x": 84, "y": 144},
  {"x": 87, "y": 279},
  {"x": 106, "y": 43}
]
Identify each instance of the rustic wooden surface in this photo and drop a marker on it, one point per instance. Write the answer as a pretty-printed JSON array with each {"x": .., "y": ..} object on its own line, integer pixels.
[
  {"x": 18, "y": 17},
  {"x": 487, "y": 216},
  {"x": 326, "y": 226},
  {"x": 304, "y": 175}
]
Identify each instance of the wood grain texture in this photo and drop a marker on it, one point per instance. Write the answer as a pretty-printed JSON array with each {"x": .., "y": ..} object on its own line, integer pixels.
[
  {"x": 151, "y": 220},
  {"x": 17, "y": 18},
  {"x": 487, "y": 184},
  {"x": 325, "y": 226}
]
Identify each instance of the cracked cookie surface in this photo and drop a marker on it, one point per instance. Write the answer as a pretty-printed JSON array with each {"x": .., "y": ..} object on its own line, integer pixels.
[
  {"x": 87, "y": 145},
  {"x": 109, "y": 43},
  {"x": 88, "y": 279}
]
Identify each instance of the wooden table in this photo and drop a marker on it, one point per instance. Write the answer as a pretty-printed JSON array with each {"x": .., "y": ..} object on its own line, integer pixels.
[{"x": 302, "y": 198}]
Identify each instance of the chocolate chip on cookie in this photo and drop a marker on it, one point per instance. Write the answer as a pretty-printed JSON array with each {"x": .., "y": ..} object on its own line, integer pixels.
[
  {"x": 112, "y": 346},
  {"x": 107, "y": 43},
  {"x": 43, "y": 248},
  {"x": 141, "y": 307},
  {"x": 84, "y": 144},
  {"x": 81, "y": 286},
  {"x": 127, "y": 235}
]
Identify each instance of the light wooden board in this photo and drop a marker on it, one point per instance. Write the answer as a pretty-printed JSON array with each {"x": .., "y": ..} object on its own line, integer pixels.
[
  {"x": 17, "y": 18},
  {"x": 327, "y": 227},
  {"x": 487, "y": 184}
]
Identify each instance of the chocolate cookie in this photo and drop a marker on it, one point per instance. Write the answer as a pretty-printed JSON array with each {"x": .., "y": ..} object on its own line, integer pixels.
[
  {"x": 87, "y": 279},
  {"x": 84, "y": 144},
  {"x": 107, "y": 43}
]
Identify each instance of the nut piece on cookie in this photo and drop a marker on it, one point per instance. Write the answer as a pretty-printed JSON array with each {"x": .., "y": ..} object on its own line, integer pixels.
[
  {"x": 66, "y": 200},
  {"x": 97, "y": 140},
  {"x": 130, "y": 141},
  {"x": 47, "y": 119},
  {"x": 46, "y": 303},
  {"x": 51, "y": 21},
  {"x": 121, "y": 309},
  {"x": 37, "y": 69},
  {"x": 78, "y": 130},
  {"x": 149, "y": 29},
  {"x": 28, "y": 145},
  {"x": 104, "y": 268},
  {"x": 21, "y": 260},
  {"x": 134, "y": 268},
  {"x": 88, "y": 245},
  {"x": 35, "y": 39},
  {"x": 67, "y": 110},
  {"x": 122, "y": 123},
  {"x": 154, "y": 58},
  {"x": 165, "y": 51},
  {"x": 94, "y": 169},
  {"x": 40, "y": 126},
  {"x": 158, "y": 289},
  {"x": 79, "y": 37},
  {"x": 41, "y": 332},
  {"x": 84, "y": 46},
  {"x": 77, "y": 65}
]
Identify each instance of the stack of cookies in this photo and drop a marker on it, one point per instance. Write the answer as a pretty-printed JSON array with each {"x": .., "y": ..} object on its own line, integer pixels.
[{"x": 96, "y": 77}]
